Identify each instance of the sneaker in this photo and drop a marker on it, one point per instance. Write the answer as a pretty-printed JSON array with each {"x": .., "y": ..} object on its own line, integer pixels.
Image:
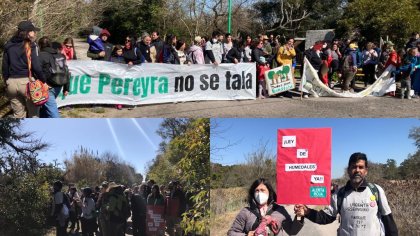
[
  {"x": 118, "y": 106},
  {"x": 305, "y": 96}
]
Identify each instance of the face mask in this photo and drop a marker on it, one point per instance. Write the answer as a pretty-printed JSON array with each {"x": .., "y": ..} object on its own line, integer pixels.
[
  {"x": 215, "y": 40},
  {"x": 261, "y": 198}
]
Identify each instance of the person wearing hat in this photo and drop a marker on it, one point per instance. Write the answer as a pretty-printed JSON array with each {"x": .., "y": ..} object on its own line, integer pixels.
[
  {"x": 20, "y": 61},
  {"x": 349, "y": 67},
  {"x": 196, "y": 51},
  {"x": 106, "y": 52},
  {"x": 267, "y": 49}
]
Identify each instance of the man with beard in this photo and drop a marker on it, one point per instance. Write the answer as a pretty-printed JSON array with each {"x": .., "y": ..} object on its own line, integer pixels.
[{"x": 363, "y": 206}]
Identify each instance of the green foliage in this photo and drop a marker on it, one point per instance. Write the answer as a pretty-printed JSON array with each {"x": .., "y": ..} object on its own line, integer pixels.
[
  {"x": 372, "y": 19},
  {"x": 185, "y": 157},
  {"x": 130, "y": 18}
]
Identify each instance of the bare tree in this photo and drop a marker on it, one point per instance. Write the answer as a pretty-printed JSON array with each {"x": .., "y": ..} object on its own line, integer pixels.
[
  {"x": 261, "y": 163},
  {"x": 286, "y": 15}
]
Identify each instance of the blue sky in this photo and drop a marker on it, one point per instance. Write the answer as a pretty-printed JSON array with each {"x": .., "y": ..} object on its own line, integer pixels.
[
  {"x": 380, "y": 139},
  {"x": 133, "y": 140}
]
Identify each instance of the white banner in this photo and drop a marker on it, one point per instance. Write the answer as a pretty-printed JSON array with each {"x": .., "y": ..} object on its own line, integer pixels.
[
  {"x": 98, "y": 82},
  {"x": 310, "y": 83}
]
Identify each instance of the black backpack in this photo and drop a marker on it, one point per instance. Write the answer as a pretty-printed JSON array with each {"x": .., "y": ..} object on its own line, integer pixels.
[{"x": 60, "y": 74}]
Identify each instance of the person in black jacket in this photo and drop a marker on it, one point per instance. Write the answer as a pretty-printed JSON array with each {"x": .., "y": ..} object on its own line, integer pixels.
[
  {"x": 131, "y": 53},
  {"x": 15, "y": 69},
  {"x": 236, "y": 53},
  {"x": 48, "y": 57},
  {"x": 144, "y": 46}
]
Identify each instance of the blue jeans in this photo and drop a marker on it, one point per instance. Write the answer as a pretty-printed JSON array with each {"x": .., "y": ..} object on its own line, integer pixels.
[{"x": 50, "y": 109}]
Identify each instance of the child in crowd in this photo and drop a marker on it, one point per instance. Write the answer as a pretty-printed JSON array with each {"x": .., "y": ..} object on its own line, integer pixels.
[
  {"x": 117, "y": 55},
  {"x": 261, "y": 79}
]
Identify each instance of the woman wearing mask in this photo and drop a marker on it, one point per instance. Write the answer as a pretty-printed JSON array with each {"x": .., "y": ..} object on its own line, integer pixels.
[
  {"x": 20, "y": 61},
  {"x": 264, "y": 216}
]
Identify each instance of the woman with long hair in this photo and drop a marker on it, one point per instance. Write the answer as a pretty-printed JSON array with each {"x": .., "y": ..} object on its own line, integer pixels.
[
  {"x": 68, "y": 49},
  {"x": 20, "y": 64},
  {"x": 263, "y": 216}
]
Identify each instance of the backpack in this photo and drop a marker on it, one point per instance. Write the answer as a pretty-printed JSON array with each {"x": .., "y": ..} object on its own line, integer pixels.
[
  {"x": 341, "y": 192},
  {"x": 60, "y": 74},
  {"x": 118, "y": 208}
]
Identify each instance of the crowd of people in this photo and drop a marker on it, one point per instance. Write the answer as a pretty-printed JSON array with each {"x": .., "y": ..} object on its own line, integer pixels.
[
  {"x": 105, "y": 209},
  {"x": 341, "y": 58}
]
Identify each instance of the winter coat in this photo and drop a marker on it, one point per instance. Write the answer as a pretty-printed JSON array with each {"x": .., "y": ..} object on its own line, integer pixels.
[
  {"x": 196, "y": 54},
  {"x": 244, "y": 221},
  {"x": 145, "y": 51}
]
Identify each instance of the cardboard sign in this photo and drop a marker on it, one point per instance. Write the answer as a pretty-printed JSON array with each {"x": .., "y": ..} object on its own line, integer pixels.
[
  {"x": 155, "y": 220},
  {"x": 279, "y": 79},
  {"x": 304, "y": 168}
]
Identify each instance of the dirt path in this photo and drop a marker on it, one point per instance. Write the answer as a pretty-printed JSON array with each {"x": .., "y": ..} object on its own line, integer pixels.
[{"x": 371, "y": 107}]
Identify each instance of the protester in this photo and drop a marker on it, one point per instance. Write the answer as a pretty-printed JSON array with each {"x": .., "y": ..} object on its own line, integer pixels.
[
  {"x": 258, "y": 57},
  {"x": 138, "y": 209},
  {"x": 286, "y": 54},
  {"x": 349, "y": 67},
  {"x": 415, "y": 38},
  {"x": 235, "y": 54},
  {"x": 100, "y": 48},
  {"x": 144, "y": 46},
  {"x": 335, "y": 63},
  {"x": 88, "y": 219},
  {"x": 117, "y": 55},
  {"x": 100, "y": 207},
  {"x": 116, "y": 210},
  {"x": 363, "y": 206},
  {"x": 214, "y": 48},
  {"x": 196, "y": 51},
  {"x": 132, "y": 54},
  {"x": 406, "y": 70},
  {"x": 56, "y": 72},
  {"x": 267, "y": 46},
  {"x": 370, "y": 59},
  {"x": 155, "y": 198},
  {"x": 229, "y": 43},
  {"x": 248, "y": 49},
  {"x": 181, "y": 55},
  {"x": 60, "y": 210},
  {"x": 263, "y": 216},
  {"x": 175, "y": 207},
  {"x": 170, "y": 56},
  {"x": 74, "y": 198},
  {"x": 20, "y": 61},
  {"x": 158, "y": 44},
  {"x": 68, "y": 49}
]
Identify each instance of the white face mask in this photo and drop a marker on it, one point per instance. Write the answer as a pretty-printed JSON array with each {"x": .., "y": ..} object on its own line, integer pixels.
[
  {"x": 261, "y": 198},
  {"x": 215, "y": 40}
]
